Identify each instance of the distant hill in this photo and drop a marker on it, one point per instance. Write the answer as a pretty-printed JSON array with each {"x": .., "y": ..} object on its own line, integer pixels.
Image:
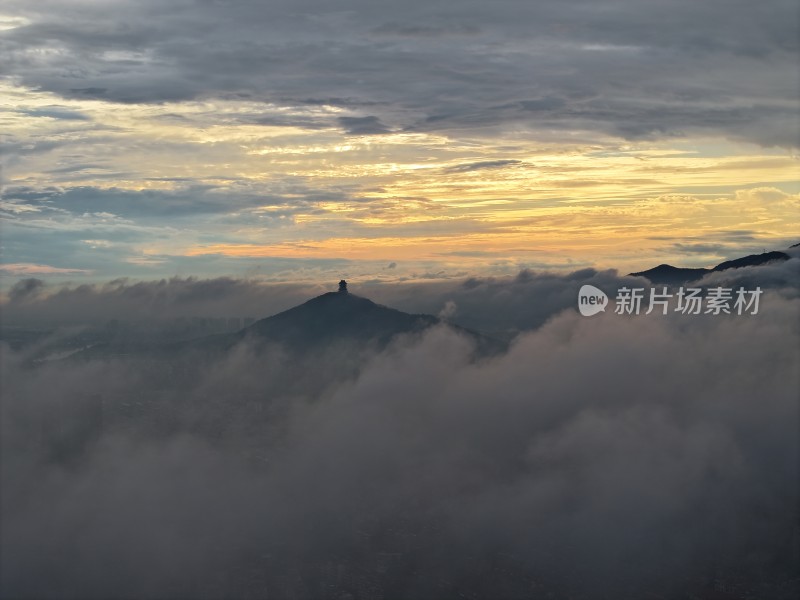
[
  {"x": 669, "y": 275},
  {"x": 752, "y": 260},
  {"x": 345, "y": 318},
  {"x": 336, "y": 316}
]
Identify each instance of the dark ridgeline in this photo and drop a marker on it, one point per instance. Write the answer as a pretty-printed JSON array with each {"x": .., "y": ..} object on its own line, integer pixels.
[
  {"x": 337, "y": 316},
  {"x": 345, "y": 318},
  {"x": 669, "y": 275}
]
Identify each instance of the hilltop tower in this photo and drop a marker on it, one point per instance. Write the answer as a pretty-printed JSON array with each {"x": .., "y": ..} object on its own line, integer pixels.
[{"x": 342, "y": 287}]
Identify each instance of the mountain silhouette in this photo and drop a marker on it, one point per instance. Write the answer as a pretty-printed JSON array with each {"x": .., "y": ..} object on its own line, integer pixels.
[
  {"x": 669, "y": 275},
  {"x": 337, "y": 316},
  {"x": 346, "y": 319}
]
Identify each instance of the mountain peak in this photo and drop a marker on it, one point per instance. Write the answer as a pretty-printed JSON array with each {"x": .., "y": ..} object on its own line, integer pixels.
[{"x": 338, "y": 315}]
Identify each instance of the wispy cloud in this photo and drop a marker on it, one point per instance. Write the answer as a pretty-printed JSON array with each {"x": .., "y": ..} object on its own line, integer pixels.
[{"x": 23, "y": 269}]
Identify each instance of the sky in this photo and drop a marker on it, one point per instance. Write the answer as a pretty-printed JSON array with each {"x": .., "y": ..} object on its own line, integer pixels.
[{"x": 310, "y": 140}]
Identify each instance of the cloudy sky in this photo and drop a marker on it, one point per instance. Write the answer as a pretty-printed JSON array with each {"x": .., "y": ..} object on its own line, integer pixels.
[{"x": 310, "y": 139}]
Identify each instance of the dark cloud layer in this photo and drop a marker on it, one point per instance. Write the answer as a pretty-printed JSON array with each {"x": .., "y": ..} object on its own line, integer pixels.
[
  {"x": 166, "y": 298},
  {"x": 602, "y": 457},
  {"x": 485, "y": 164},
  {"x": 362, "y": 125},
  {"x": 631, "y": 69},
  {"x": 489, "y": 304}
]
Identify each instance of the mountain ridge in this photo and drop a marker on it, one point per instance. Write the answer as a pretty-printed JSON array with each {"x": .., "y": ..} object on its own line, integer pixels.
[
  {"x": 668, "y": 274},
  {"x": 337, "y": 315}
]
